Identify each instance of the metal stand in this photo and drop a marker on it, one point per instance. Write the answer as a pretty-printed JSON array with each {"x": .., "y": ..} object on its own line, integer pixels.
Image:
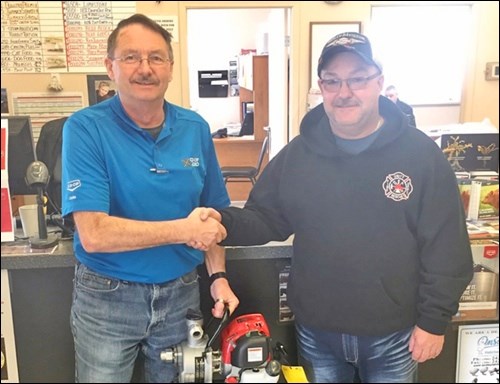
[{"x": 43, "y": 241}]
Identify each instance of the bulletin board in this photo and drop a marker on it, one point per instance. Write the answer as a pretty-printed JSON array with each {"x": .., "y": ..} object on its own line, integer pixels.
[
  {"x": 58, "y": 36},
  {"x": 63, "y": 36}
]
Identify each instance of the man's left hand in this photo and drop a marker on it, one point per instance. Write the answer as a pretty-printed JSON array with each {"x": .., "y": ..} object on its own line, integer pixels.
[
  {"x": 425, "y": 345},
  {"x": 223, "y": 296}
]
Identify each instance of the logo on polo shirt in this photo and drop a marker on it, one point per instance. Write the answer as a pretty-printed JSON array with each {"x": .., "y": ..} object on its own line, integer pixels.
[
  {"x": 191, "y": 162},
  {"x": 397, "y": 186},
  {"x": 73, "y": 185}
]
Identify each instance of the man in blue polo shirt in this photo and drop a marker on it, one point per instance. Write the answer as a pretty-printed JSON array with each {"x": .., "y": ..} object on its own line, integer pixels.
[{"x": 134, "y": 168}]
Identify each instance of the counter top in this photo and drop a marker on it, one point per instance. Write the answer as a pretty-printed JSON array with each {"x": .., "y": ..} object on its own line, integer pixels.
[
  {"x": 18, "y": 255},
  {"x": 236, "y": 139}
]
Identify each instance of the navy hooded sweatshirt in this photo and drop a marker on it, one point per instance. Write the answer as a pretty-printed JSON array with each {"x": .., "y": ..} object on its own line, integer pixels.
[{"x": 380, "y": 241}]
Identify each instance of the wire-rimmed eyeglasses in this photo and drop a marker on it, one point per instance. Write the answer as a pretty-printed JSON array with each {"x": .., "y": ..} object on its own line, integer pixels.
[
  {"x": 135, "y": 59},
  {"x": 354, "y": 83}
]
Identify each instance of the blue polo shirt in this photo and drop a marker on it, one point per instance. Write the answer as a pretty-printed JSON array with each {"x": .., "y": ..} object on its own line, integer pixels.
[{"x": 111, "y": 165}]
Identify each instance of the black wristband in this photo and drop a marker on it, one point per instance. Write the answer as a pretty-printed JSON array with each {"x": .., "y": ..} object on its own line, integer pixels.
[{"x": 217, "y": 275}]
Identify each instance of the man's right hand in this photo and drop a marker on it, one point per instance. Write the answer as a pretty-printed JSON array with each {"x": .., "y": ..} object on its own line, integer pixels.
[
  {"x": 206, "y": 213},
  {"x": 206, "y": 229}
]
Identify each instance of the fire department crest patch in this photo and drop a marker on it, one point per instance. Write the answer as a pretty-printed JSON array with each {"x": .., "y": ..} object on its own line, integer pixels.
[{"x": 397, "y": 186}]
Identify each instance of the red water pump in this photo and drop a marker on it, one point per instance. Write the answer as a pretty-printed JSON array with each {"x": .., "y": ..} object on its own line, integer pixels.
[
  {"x": 247, "y": 352},
  {"x": 246, "y": 355}
]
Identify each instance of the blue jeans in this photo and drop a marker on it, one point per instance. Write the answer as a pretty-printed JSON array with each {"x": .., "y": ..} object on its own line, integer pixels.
[
  {"x": 329, "y": 357},
  {"x": 113, "y": 320}
]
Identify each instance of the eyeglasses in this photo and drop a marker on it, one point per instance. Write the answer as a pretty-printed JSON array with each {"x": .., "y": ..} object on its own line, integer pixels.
[
  {"x": 354, "y": 83},
  {"x": 135, "y": 59}
]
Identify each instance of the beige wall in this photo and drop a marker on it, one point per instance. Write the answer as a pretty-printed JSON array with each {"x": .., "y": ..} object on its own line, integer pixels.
[{"x": 481, "y": 97}]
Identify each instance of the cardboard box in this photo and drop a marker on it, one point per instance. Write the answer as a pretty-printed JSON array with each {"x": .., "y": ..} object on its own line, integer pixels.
[
  {"x": 464, "y": 186},
  {"x": 483, "y": 199}
]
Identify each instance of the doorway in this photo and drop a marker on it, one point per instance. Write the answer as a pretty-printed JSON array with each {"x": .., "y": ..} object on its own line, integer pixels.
[{"x": 215, "y": 39}]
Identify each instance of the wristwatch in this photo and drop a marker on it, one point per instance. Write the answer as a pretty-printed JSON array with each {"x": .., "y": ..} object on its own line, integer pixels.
[{"x": 217, "y": 275}]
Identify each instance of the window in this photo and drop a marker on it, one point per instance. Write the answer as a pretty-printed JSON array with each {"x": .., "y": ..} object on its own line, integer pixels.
[{"x": 423, "y": 50}]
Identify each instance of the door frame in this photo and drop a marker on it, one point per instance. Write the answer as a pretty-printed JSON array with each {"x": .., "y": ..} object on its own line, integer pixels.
[{"x": 292, "y": 113}]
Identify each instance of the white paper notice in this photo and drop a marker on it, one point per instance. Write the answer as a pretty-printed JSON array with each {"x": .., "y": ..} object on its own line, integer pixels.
[
  {"x": 9, "y": 357},
  {"x": 477, "y": 354}
]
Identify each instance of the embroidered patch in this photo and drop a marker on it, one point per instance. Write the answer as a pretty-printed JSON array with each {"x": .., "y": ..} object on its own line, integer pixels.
[
  {"x": 191, "y": 162},
  {"x": 397, "y": 186}
]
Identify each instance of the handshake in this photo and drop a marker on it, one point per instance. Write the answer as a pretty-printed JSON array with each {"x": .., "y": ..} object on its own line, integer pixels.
[{"x": 204, "y": 228}]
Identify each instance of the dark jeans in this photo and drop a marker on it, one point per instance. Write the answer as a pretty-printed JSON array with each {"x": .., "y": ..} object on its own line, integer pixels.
[{"x": 330, "y": 357}]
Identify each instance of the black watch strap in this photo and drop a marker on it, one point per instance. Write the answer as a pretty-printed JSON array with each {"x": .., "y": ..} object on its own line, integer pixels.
[{"x": 217, "y": 275}]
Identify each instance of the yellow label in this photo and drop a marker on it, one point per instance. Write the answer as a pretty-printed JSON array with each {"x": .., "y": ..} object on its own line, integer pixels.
[{"x": 294, "y": 374}]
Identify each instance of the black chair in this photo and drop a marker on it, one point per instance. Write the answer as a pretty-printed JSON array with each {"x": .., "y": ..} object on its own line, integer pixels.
[
  {"x": 245, "y": 173},
  {"x": 48, "y": 150}
]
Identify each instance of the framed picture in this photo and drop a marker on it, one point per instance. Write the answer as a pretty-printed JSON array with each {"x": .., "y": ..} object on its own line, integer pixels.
[
  {"x": 100, "y": 88},
  {"x": 320, "y": 33}
]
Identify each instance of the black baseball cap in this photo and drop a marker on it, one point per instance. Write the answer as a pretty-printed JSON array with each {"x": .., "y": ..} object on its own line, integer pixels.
[{"x": 347, "y": 42}]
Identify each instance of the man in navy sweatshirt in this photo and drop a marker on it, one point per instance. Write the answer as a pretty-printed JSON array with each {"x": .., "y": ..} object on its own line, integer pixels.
[{"x": 381, "y": 254}]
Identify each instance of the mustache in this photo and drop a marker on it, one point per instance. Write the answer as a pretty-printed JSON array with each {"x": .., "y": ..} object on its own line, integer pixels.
[
  {"x": 148, "y": 80},
  {"x": 342, "y": 103}
]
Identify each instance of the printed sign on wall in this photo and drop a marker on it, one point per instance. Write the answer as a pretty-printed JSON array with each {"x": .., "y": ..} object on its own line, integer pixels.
[{"x": 477, "y": 354}]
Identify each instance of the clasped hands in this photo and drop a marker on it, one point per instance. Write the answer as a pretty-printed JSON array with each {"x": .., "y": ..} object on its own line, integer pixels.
[{"x": 205, "y": 228}]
